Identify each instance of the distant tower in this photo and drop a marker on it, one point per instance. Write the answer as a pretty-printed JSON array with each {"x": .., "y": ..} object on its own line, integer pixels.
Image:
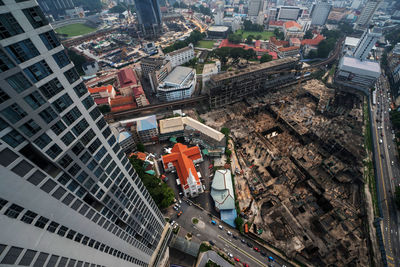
[
  {"x": 149, "y": 16},
  {"x": 320, "y": 13},
  {"x": 367, "y": 41},
  {"x": 366, "y": 15},
  {"x": 219, "y": 17},
  {"x": 254, "y": 8}
]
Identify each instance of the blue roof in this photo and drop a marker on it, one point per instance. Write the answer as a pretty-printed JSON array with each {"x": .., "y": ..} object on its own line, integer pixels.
[
  {"x": 147, "y": 123},
  {"x": 229, "y": 216}
]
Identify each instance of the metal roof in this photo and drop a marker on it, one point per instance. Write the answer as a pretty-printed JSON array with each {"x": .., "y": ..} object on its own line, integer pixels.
[
  {"x": 222, "y": 190},
  {"x": 178, "y": 75},
  {"x": 147, "y": 123}
]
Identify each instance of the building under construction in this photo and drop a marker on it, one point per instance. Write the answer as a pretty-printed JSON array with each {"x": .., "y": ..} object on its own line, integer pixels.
[{"x": 233, "y": 86}]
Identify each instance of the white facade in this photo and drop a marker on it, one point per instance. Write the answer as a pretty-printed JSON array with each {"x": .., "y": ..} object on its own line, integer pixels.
[
  {"x": 320, "y": 13},
  {"x": 289, "y": 13},
  {"x": 367, "y": 41},
  {"x": 180, "y": 56},
  {"x": 68, "y": 194},
  {"x": 179, "y": 84}
]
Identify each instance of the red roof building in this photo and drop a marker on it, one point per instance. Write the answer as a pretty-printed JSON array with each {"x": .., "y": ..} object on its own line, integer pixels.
[
  {"x": 123, "y": 107},
  {"x": 102, "y": 91},
  {"x": 313, "y": 42},
  {"x": 182, "y": 158},
  {"x": 275, "y": 44},
  {"x": 288, "y": 51},
  {"x": 273, "y": 24},
  {"x": 102, "y": 101},
  {"x": 129, "y": 85}
]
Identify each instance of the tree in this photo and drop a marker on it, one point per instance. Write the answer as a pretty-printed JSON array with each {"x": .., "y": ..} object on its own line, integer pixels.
[
  {"x": 236, "y": 53},
  {"x": 397, "y": 196},
  {"x": 249, "y": 54},
  {"x": 258, "y": 37},
  {"x": 228, "y": 152},
  {"x": 117, "y": 9},
  {"x": 325, "y": 47},
  {"x": 249, "y": 39},
  {"x": 239, "y": 223},
  {"x": 140, "y": 147},
  {"x": 222, "y": 54},
  {"x": 279, "y": 35},
  {"x": 234, "y": 38},
  {"x": 308, "y": 34},
  {"x": 249, "y": 26},
  {"x": 312, "y": 54},
  {"x": 104, "y": 109},
  {"x": 265, "y": 58},
  {"x": 194, "y": 38},
  {"x": 225, "y": 131}
]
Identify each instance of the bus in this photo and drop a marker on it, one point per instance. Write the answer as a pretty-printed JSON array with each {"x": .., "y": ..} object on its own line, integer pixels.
[
  {"x": 246, "y": 228},
  {"x": 374, "y": 97}
]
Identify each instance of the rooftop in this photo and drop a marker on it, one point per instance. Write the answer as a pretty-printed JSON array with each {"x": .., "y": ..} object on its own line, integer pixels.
[
  {"x": 222, "y": 190},
  {"x": 107, "y": 88},
  {"x": 121, "y": 100},
  {"x": 315, "y": 41},
  {"x": 351, "y": 41},
  {"x": 253, "y": 68},
  {"x": 178, "y": 75},
  {"x": 127, "y": 77},
  {"x": 276, "y": 23},
  {"x": 364, "y": 67},
  {"x": 290, "y": 48},
  {"x": 291, "y": 24},
  {"x": 189, "y": 47},
  {"x": 123, "y": 107},
  {"x": 218, "y": 28},
  {"x": 101, "y": 101},
  {"x": 171, "y": 125},
  {"x": 147, "y": 123}
]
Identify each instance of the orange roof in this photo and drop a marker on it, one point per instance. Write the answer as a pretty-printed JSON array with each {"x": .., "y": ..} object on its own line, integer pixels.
[
  {"x": 108, "y": 88},
  {"x": 138, "y": 91},
  {"x": 314, "y": 41},
  {"x": 123, "y": 107},
  {"x": 121, "y": 100},
  {"x": 127, "y": 77},
  {"x": 290, "y": 24},
  {"x": 139, "y": 155},
  {"x": 290, "y": 48},
  {"x": 276, "y": 23},
  {"x": 182, "y": 158},
  {"x": 278, "y": 42},
  {"x": 226, "y": 43},
  {"x": 101, "y": 101}
]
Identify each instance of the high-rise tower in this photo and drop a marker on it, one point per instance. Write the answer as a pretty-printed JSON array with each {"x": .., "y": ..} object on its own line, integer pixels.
[
  {"x": 367, "y": 13},
  {"x": 68, "y": 194},
  {"x": 320, "y": 13},
  {"x": 149, "y": 16},
  {"x": 367, "y": 41}
]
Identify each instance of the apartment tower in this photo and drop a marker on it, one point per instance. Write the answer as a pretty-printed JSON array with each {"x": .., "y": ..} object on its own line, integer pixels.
[
  {"x": 68, "y": 194},
  {"x": 149, "y": 17},
  {"x": 367, "y": 13}
]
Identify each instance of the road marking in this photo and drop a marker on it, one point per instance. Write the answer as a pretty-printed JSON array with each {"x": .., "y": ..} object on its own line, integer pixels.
[
  {"x": 390, "y": 258},
  {"x": 244, "y": 252}
]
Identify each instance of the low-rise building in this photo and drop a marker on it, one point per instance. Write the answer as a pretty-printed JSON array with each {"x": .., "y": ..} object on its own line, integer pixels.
[
  {"x": 223, "y": 195},
  {"x": 124, "y": 138},
  {"x": 274, "y": 44},
  {"x": 294, "y": 42},
  {"x": 357, "y": 74},
  {"x": 122, "y": 103},
  {"x": 217, "y": 32},
  {"x": 291, "y": 51},
  {"x": 179, "y": 84},
  {"x": 273, "y": 24},
  {"x": 292, "y": 30},
  {"x": 90, "y": 68},
  {"x": 209, "y": 70},
  {"x": 311, "y": 44},
  {"x": 147, "y": 129},
  {"x": 102, "y": 91},
  {"x": 129, "y": 85},
  {"x": 182, "y": 159},
  {"x": 180, "y": 56}
]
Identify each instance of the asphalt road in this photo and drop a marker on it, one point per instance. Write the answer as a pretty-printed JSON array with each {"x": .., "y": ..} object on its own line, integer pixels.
[
  {"x": 205, "y": 231},
  {"x": 388, "y": 171}
]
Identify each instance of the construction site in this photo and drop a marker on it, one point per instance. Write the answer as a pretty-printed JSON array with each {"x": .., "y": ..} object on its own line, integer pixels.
[{"x": 298, "y": 163}]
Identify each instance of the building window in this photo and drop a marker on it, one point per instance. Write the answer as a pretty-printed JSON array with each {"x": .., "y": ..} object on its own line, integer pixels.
[
  {"x": 13, "y": 113},
  {"x": 18, "y": 82},
  {"x": 95, "y": 113},
  {"x": 34, "y": 100},
  {"x": 27, "y": 258},
  {"x": 106, "y": 132},
  {"x": 38, "y": 71},
  {"x": 3, "y": 96},
  {"x": 62, "y": 103},
  {"x": 22, "y": 51},
  {"x": 28, "y": 217},
  {"x": 78, "y": 148},
  {"x": 9, "y": 26},
  {"x": 51, "y": 88},
  {"x": 85, "y": 157},
  {"x": 80, "y": 127},
  {"x": 68, "y": 138},
  {"x": 88, "y": 137},
  {"x": 65, "y": 161},
  {"x": 48, "y": 114},
  {"x": 72, "y": 116},
  {"x": 62, "y": 230},
  {"x": 101, "y": 123},
  {"x": 111, "y": 141},
  {"x": 64, "y": 179},
  {"x": 71, "y": 75},
  {"x": 13, "y": 211},
  {"x": 80, "y": 89},
  {"x": 92, "y": 165},
  {"x": 54, "y": 151},
  {"x": 52, "y": 227},
  {"x": 74, "y": 169},
  {"x": 82, "y": 177},
  {"x": 12, "y": 255},
  {"x": 88, "y": 102},
  {"x": 42, "y": 141},
  {"x": 35, "y": 17},
  {"x": 13, "y": 138},
  {"x": 58, "y": 127},
  {"x": 5, "y": 62},
  {"x": 30, "y": 128},
  {"x": 49, "y": 39},
  {"x": 100, "y": 154},
  {"x": 94, "y": 145},
  {"x": 61, "y": 59}
]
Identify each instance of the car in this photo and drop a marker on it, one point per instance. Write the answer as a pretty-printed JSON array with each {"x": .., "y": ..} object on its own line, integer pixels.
[
  {"x": 270, "y": 258},
  {"x": 245, "y": 265},
  {"x": 230, "y": 255},
  {"x": 243, "y": 241},
  {"x": 236, "y": 259},
  {"x": 234, "y": 236},
  {"x": 229, "y": 233},
  {"x": 180, "y": 213},
  {"x": 180, "y": 201},
  {"x": 180, "y": 193},
  {"x": 380, "y": 141},
  {"x": 212, "y": 243},
  {"x": 263, "y": 254},
  {"x": 249, "y": 244},
  {"x": 392, "y": 162},
  {"x": 220, "y": 227},
  {"x": 176, "y": 208},
  {"x": 256, "y": 249},
  {"x": 213, "y": 222}
]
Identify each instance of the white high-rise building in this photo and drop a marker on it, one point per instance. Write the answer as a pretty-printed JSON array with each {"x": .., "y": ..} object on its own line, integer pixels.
[
  {"x": 366, "y": 15},
  {"x": 320, "y": 13},
  {"x": 68, "y": 194},
  {"x": 367, "y": 41}
]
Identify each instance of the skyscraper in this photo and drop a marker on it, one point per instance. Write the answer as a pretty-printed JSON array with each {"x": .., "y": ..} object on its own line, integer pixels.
[
  {"x": 55, "y": 7},
  {"x": 367, "y": 13},
  {"x": 149, "y": 16},
  {"x": 320, "y": 13},
  {"x": 254, "y": 7},
  {"x": 367, "y": 41},
  {"x": 68, "y": 194}
]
